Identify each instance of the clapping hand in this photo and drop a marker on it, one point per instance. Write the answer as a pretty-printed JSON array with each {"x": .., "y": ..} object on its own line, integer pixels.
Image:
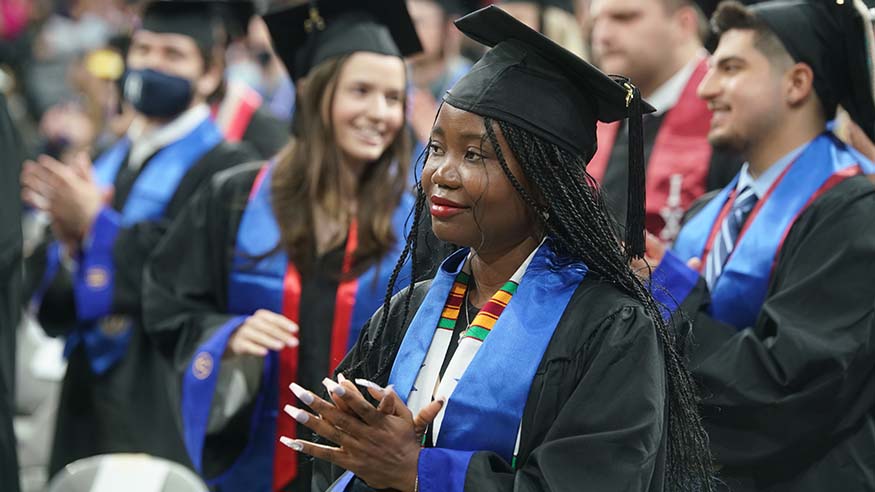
[
  {"x": 262, "y": 332},
  {"x": 380, "y": 444},
  {"x": 653, "y": 255},
  {"x": 68, "y": 193}
]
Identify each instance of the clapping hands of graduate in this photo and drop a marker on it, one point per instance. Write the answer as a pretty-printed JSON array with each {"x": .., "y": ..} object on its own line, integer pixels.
[
  {"x": 68, "y": 193},
  {"x": 261, "y": 332},
  {"x": 380, "y": 444},
  {"x": 653, "y": 255}
]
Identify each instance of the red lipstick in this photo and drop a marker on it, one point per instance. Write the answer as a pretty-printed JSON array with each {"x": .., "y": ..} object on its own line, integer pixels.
[{"x": 442, "y": 208}]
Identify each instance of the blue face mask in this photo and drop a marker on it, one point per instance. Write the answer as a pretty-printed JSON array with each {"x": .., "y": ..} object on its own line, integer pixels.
[{"x": 157, "y": 94}]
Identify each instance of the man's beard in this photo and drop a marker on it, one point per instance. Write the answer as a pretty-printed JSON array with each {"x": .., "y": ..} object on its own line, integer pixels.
[{"x": 730, "y": 143}]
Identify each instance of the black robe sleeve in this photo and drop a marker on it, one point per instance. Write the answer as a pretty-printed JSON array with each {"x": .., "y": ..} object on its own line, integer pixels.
[
  {"x": 131, "y": 249},
  {"x": 186, "y": 279},
  {"x": 608, "y": 434},
  {"x": 266, "y": 133},
  {"x": 595, "y": 415},
  {"x": 185, "y": 295},
  {"x": 782, "y": 392},
  {"x": 10, "y": 289}
]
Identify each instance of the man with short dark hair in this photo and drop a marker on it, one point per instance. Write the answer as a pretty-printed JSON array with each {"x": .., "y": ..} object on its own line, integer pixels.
[
  {"x": 658, "y": 45},
  {"x": 775, "y": 271},
  {"x": 116, "y": 395}
]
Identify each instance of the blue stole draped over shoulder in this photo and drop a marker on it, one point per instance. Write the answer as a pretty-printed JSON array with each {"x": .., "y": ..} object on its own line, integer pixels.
[
  {"x": 106, "y": 337},
  {"x": 738, "y": 295},
  {"x": 486, "y": 408},
  {"x": 256, "y": 282}
]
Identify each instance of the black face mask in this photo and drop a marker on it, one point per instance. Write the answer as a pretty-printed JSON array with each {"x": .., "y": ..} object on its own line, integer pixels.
[{"x": 157, "y": 94}]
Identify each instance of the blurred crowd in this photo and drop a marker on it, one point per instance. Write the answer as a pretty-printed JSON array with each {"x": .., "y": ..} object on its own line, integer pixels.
[{"x": 63, "y": 66}]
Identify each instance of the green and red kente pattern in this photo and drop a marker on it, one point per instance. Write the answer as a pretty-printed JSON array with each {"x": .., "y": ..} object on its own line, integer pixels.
[
  {"x": 454, "y": 302},
  {"x": 488, "y": 315}
]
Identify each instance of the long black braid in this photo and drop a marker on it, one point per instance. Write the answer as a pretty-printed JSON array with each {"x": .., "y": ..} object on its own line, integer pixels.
[
  {"x": 373, "y": 343},
  {"x": 575, "y": 216},
  {"x": 580, "y": 227}
]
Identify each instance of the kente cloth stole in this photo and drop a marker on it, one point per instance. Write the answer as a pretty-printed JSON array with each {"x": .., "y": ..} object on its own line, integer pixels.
[
  {"x": 485, "y": 320},
  {"x": 473, "y": 337}
]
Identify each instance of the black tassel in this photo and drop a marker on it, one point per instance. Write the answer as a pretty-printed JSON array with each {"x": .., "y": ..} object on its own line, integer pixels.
[{"x": 635, "y": 245}]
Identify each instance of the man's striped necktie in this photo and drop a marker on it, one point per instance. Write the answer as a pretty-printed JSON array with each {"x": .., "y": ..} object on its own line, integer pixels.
[{"x": 728, "y": 234}]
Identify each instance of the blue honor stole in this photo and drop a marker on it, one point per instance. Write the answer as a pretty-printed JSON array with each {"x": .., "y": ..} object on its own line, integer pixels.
[
  {"x": 485, "y": 410},
  {"x": 740, "y": 291},
  {"x": 106, "y": 336},
  {"x": 256, "y": 282}
]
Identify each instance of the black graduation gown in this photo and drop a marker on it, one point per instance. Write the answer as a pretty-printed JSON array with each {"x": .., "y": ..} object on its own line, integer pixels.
[
  {"x": 266, "y": 133},
  {"x": 788, "y": 403},
  {"x": 595, "y": 415},
  {"x": 10, "y": 289},
  {"x": 126, "y": 409},
  {"x": 186, "y": 301},
  {"x": 615, "y": 183}
]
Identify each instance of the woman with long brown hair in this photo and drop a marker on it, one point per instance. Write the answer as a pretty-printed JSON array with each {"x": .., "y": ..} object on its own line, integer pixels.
[{"x": 268, "y": 276}]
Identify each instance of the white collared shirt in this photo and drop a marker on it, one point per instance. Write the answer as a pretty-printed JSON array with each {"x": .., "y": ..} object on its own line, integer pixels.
[
  {"x": 668, "y": 94},
  {"x": 145, "y": 144},
  {"x": 765, "y": 180}
]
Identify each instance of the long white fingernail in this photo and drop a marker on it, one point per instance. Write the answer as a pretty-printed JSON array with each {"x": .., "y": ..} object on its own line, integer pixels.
[
  {"x": 340, "y": 377},
  {"x": 333, "y": 387},
  {"x": 305, "y": 396},
  {"x": 294, "y": 444},
  {"x": 297, "y": 414},
  {"x": 369, "y": 384}
]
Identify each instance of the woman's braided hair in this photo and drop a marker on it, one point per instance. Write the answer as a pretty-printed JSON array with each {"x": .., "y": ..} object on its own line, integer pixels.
[{"x": 580, "y": 226}]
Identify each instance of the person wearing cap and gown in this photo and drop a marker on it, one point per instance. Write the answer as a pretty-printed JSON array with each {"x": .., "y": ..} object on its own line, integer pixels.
[
  {"x": 659, "y": 44},
  {"x": 106, "y": 220},
  {"x": 535, "y": 360},
  {"x": 239, "y": 109},
  {"x": 270, "y": 273},
  {"x": 774, "y": 273},
  {"x": 10, "y": 289}
]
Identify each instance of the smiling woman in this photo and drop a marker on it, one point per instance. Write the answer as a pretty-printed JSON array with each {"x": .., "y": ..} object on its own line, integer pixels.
[
  {"x": 464, "y": 190},
  {"x": 269, "y": 275},
  {"x": 368, "y": 107},
  {"x": 535, "y": 360}
]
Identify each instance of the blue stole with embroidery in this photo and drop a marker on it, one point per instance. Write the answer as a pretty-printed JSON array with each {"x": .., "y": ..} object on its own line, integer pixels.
[
  {"x": 739, "y": 293},
  {"x": 106, "y": 337},
  {"x": 256, "y": 282},
  {"x": 486, "y": 408}
]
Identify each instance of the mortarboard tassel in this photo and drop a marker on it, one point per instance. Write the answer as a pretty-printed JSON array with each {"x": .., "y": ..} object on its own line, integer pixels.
[{"x": 635, "y": 245}]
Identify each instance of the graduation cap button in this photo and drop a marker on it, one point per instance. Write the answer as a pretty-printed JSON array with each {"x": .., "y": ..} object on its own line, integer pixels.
[{"x": 315, "y": 20}]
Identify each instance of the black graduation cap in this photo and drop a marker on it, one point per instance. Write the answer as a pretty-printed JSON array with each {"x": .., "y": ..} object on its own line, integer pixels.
[
  {"x": 198, "y": 19},
  {"x": 530, "y": 81},
  {"x": 308, "y": 34},
  {"x": 834, "y": 37},
  {"x": 235, "y": 16}
]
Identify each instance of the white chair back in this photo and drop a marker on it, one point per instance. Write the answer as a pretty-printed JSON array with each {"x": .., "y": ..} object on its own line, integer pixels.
[{"x": 126, "y": 473}]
